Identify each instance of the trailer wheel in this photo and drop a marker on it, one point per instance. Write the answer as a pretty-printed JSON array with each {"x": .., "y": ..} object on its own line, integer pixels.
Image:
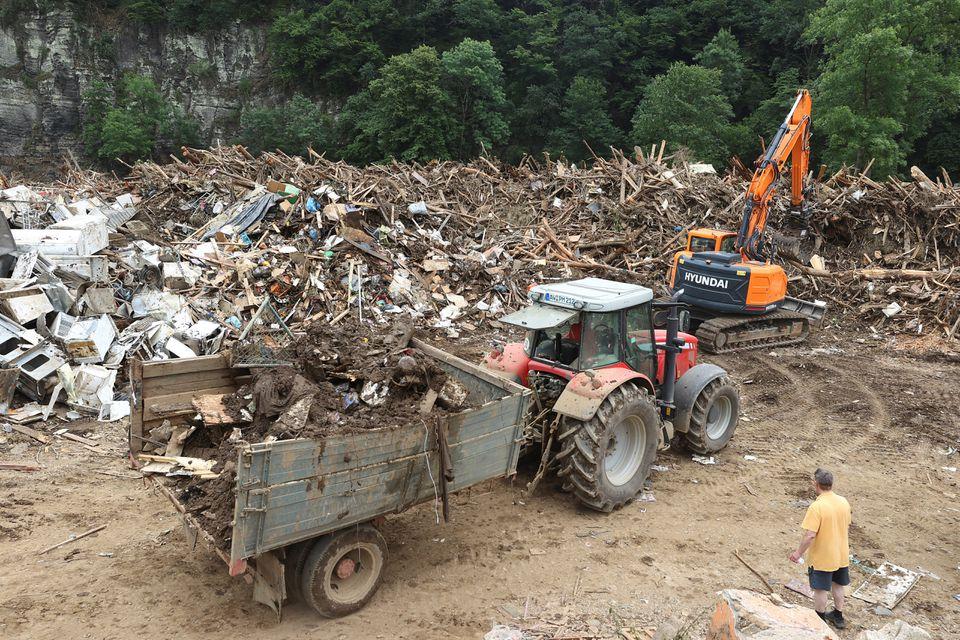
[
  {"x": 296, "y": 556},
  {"x": 343, "y": 570},
  {"x": 714, "y": 416}
]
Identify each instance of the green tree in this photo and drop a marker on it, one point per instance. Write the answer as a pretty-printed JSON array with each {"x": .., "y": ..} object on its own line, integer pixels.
[
  {"x": 584, "y": 121},
  {"x": 332, "y": 50},
  {"x": 479, "y": 19},
  {"x": 686, "y": 107},
  {"x": 291, "y": 127},
  {"x": 473, "y": 77},
  {"x": 97, "y": 102},
  {"x": 124, "y": 136},
  {"x": 137, "y": 122},
  {"x": 533, "y": 84},
  {"x": 723, "y": 54},
  {"x": 406, "y": 113},
  {"x": 892, "y": 67}
]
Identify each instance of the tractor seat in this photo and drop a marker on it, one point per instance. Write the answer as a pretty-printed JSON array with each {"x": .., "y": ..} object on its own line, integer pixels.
[{"x": 569, "y": 350}]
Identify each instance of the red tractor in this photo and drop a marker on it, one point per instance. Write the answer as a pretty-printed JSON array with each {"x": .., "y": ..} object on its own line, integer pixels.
[{"x": 613, "y": 388}]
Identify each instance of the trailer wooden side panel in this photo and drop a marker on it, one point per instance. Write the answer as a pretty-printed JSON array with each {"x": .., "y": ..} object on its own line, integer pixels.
[{"x": 165, "y": 389}]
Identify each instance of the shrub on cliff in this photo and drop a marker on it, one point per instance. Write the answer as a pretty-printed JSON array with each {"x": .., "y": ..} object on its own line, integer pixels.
[{"x": 133, "y": 121}]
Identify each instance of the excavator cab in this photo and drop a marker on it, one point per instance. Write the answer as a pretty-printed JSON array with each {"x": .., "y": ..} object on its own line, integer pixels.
[{"x": 718, "y": 240}]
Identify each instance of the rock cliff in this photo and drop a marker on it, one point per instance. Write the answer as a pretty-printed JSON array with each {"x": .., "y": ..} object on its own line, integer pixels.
[{"x": 48, "y": 60}]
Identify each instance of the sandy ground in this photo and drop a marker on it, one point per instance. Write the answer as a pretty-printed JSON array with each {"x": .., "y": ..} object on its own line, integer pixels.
[{"x": 879, "y": 416}]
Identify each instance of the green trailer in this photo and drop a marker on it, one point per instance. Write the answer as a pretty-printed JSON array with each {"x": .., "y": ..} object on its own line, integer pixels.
[{"x": 308, "y": 511}]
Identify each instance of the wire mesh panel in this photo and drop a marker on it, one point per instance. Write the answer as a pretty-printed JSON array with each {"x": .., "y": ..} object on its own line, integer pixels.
[
  {"x": 266, "y": 341},
  {"x": 267, "y": 348}
]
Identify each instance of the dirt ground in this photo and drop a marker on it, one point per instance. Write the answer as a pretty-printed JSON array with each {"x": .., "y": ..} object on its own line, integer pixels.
[{"x": 881, "y": 415}]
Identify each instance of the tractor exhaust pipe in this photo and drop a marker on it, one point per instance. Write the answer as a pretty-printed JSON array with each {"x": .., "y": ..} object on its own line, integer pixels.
[{"x": 672, "y": 349}]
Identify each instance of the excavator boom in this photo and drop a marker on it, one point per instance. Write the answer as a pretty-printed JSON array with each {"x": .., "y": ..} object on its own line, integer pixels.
[{"x": 790, "y": 144}]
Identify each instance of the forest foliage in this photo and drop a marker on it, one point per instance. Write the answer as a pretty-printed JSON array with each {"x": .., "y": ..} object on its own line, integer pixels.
[{"x": 368, "y": 80}]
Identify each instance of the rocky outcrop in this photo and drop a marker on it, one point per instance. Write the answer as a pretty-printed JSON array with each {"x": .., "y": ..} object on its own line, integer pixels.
[
  {"x": 48, "y": 60},
  {"x": 746, "y": 615}
]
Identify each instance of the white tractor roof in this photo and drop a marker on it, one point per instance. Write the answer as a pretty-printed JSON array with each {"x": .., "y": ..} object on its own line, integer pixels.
[
  {"x": 591, "y": 294},
  {"x": 539, "y": 316}
]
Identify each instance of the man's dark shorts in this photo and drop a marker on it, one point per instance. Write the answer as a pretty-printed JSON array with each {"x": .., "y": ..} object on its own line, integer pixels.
[{"x": 820, "y": 580}]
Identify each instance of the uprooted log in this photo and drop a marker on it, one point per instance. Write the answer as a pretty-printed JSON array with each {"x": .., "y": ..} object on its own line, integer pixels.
[{"x": 883, "y": 274}]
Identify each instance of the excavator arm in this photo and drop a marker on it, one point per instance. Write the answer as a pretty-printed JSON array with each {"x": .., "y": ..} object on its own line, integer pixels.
[{"x": 790, "y": 144}]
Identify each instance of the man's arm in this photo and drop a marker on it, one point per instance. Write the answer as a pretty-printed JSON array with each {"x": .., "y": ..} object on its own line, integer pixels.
[{"x": 805, "y": 542}]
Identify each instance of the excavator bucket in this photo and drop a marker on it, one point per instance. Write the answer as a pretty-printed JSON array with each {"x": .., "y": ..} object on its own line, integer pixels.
[{"x": 786, "y": 246}]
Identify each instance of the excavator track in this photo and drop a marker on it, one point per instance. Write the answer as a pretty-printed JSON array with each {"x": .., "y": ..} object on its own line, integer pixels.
[{"x": 742, "y": 333}]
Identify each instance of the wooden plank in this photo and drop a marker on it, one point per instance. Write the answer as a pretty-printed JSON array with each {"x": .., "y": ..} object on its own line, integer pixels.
[
  {"x": 135, "y": 436},
  {"x": 74, "y": 437},
  {"x": 196, "y": 382},
  {"x": 183, "y": 365},
  {"x": 212, "y": 409},
  {"x": 27, "y": 431},
  {"x": 177, "y": 403}
]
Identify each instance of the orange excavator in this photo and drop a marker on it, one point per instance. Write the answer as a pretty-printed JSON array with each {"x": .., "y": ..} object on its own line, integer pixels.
[{"x": 737, "y": 295}]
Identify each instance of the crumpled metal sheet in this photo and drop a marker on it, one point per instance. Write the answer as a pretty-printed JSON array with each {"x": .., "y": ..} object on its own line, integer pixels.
[{"x": 247, "y": 216}]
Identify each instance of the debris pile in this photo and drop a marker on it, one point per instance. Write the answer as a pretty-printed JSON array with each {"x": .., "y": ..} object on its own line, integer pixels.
[
  {"x": 890, "y": 252},
  {"x": 345, "y": 381},
  {"x": 185, "y": 259},
  {"x": 453, "y": 242}
]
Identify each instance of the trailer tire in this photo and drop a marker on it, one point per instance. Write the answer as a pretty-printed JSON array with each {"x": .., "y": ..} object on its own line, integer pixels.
[
  {"x": 343, "y": 570},
  {"x": 296, "y": 556},
  {"x": 605, "y": 461},
  {"x": 714, "y": 416}
]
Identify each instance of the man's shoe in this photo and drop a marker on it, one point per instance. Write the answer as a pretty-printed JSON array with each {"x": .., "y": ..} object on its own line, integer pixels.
[{"x": 836, "y": 619}]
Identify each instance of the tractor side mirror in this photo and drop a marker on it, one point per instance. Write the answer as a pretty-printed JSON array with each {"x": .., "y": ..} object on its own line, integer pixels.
[{"x": 684, "y": 320}]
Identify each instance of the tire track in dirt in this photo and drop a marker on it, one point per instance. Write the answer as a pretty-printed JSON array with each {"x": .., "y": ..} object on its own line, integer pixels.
[{"x": 803, "y": 413}]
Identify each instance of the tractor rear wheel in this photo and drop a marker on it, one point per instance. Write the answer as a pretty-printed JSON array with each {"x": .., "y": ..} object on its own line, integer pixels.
[
  {"x": 604, "y": 461},
  {"x": 714, "y": 416}
]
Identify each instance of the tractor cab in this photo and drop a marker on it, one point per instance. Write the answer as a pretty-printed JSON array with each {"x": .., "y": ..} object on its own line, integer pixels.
[
  {"x": 586, "y": 325},
  {"x": 609, "y": 330}
]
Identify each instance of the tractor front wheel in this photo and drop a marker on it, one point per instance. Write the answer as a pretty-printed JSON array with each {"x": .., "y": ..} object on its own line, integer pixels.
[
  {"x": 714, "y": 416},
  {"x": 604, "y": 461}
]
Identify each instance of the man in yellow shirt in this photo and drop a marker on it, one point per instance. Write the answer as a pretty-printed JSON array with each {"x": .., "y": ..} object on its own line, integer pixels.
[{"x": 825, "y": 541}]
